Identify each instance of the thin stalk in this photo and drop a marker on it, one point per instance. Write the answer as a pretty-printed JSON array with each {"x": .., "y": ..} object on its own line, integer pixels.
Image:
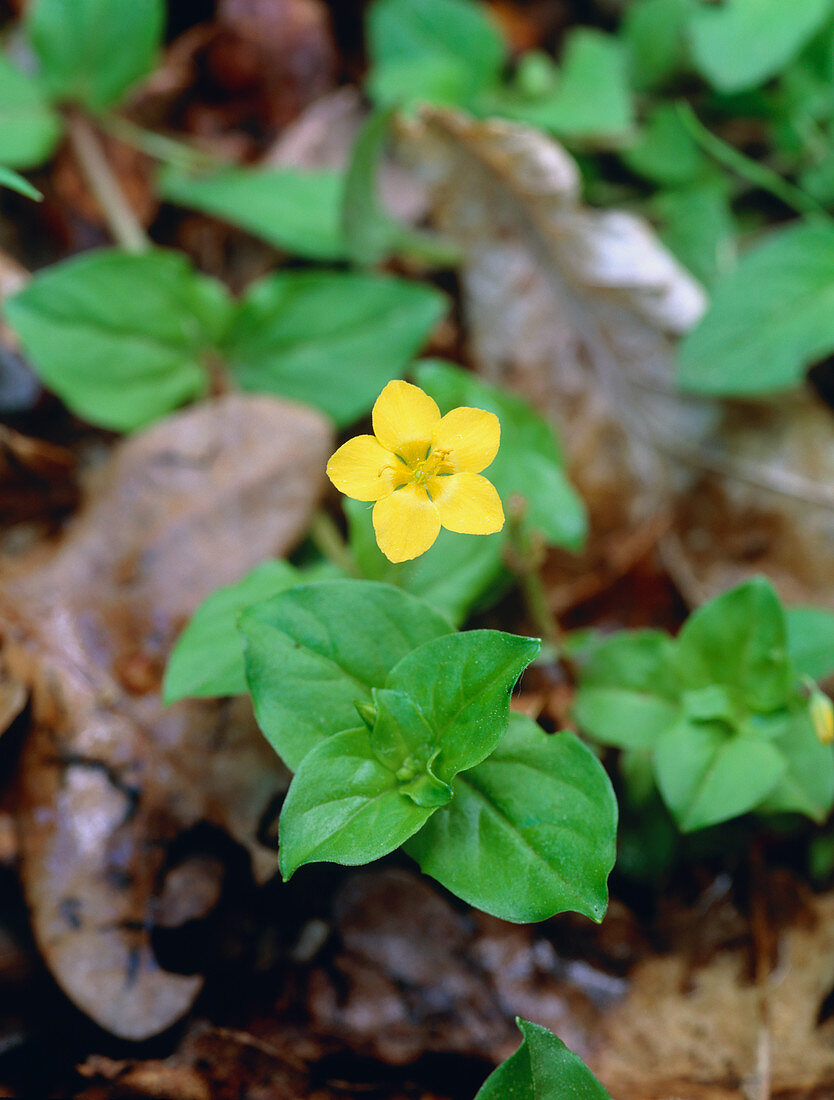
[
  {"x": 121, "y": 220},
  {"x": 159, "y": 146},
  {"x": 525, "y": 559},
  {"x": 327, "y": 538},
  {"x": 759, "y": 175}
]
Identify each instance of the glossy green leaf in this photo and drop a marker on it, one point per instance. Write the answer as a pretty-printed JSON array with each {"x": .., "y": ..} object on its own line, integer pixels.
[
  {"x": 207, "y": 659},
  {"x": 437, "y": 51},
  {"x": 296, "y": 210},
  {"x": 311, "y": 653},
  {"x": 330, "y": 339},
  {"x": 29, "y": 128},
  {"x": 769, "y": 320},
  {"x": 529, "y": 462},
  {"x": 591, "y": 99},
  {"x": 739, "y": 639},
  {"x": 707, "y": 774},
  {"x": 629, "y": 693},
  {"x": 741, "y": 43},
  {"x": 120, "y": 337},
  {"x": 811, "y": 640},
  {"x": 696, "y": 224},
  {"x": 541, "y": 1069},
  {"x": 458, "y": 573},
  {"x": 15, "y": 182},
  {"x": 461, "y": 683},
  {"x": 344, "y": 806},
  {"x": 93, "y": 51},
  {"x": 540, "y": 805}
]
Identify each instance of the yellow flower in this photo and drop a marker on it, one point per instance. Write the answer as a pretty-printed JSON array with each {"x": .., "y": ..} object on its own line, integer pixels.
[
  {"x": 423, "y": 471},
  {"x": 822, "y": 715}
]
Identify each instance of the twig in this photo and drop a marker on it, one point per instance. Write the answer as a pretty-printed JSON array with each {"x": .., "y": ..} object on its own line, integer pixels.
[{"x": 121, "y": 220}]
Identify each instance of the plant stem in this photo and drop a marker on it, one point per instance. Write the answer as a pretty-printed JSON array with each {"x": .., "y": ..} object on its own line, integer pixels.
[
  {"x": 759, "y": 175},
  {"x": 160, "y": 146},
  {"x": 327, "y": 538},
  {"x": 525, "y": 560},
  {"x": 121, "y": 220}
]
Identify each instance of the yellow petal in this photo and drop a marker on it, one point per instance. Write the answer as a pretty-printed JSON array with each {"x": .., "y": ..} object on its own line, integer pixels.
[
  {"x": 362, "y": 469},
  {"x": 403, "y": 415},
  {"x": 471, "y": 436},
  {"x": 467, "y": 503},
  {"x": 406, "y": 523}
]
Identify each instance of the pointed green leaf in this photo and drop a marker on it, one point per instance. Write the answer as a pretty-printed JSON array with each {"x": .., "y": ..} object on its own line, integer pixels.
[
  {"x": 739, "y": 639},
  {"x": 314, "y": 651},
  {"x": 330, "y": 339},
  {"x": 293, "y": 209},
  {"x": 29, "y": 128},
  {"x": 540, "y": 805},
  {"x": 120, "y": 337},
  {"x": 811, "y": 640},
  {"x": 461, "y": 683},
  {"x": 629, "y": 693},
  {"x": 93, "y": 51},
  {"x": 542, "y": 1069},
  {"x": 807, "y": 784},
  {"x": 344, "y": 806},
  {"x": 15, "y": 182},
  {"x": 707, "y": 774},
  {"x": 207, "y": 659}
]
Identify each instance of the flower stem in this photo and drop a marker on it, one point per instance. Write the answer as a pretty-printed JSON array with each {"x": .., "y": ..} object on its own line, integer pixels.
[
  {"x": 327, "y": 538},
  {"x": 121, "y": 220},
  {"x": 525, "y": 559}
]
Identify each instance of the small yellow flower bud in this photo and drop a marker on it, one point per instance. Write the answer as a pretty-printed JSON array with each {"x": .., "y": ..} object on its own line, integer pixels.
[{"x": 822, "y": 715}]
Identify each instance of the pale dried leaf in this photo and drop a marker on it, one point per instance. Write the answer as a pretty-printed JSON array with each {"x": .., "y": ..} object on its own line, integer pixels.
[
  {"x": 109, "y": 776},
  {"x": 577, "y": 308}
]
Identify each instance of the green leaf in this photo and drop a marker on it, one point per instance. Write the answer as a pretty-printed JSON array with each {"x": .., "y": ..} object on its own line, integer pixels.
[
  {"x": 207, "y": 659},
  {"x": 93, "y": 51},
  {"x": 371, "y": 234},
  {"x": 807, "y": 784},
  {"x": 437, "y": 51},
  {"x": 696, "y": 224},
  {"x": 811, "y": 640},
  {"x": 529, "y": 462},
  {"x": 653, "y": 32},
  {"x": 591, "y": 100},
  {"x": 311, "y": 653},
  {"x": 666, "y": 153},
  {"x": 120, "y": 337},
  {"x": 629, "y": 693},
  {"x": 739, "y": 639},
  {"x": 462, "y": 685},
  {"x": 541, "y": 1069},
  {"x": 707, "y": 774},
  {"x": 741, "y": 43},
  {"x": 344, "y": 806},
  {"x": 9, "y": 178},
  {"x": 539, "y": 809},
  {"x": 456, "y": 574},
  {"x": 29, "y": 128},
  {"x": 295, "y": 210},
  {"x": 330, "y": 339},
  {"x": 769, "y": 320}
]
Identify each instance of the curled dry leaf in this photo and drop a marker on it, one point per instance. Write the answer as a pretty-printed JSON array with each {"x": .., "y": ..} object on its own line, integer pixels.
[
  {"x": 764, "y": 503},
  {"x": 577, "y": 308},
  {"x": 108, "y": 775}
]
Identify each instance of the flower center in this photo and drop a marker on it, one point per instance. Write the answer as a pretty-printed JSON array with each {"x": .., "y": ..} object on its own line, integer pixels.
[{"x": 419, "y": 463}]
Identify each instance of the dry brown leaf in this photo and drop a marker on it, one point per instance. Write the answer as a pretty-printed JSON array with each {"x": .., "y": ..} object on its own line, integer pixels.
[
  {"x": 764, "y": 503},
  {"x": 109, "y": 776},
  {"x": 577, "y": 308},
  {"x": 698, "y": 1035}
]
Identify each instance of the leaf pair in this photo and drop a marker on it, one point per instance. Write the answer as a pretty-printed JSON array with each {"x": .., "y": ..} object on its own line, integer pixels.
[
  {"x": 125, "y": 338},
  {"x": 719, "y": 711}
]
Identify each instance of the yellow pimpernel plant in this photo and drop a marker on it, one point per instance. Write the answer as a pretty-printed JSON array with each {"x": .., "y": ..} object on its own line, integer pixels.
[{"x": 423, "y": 470}]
